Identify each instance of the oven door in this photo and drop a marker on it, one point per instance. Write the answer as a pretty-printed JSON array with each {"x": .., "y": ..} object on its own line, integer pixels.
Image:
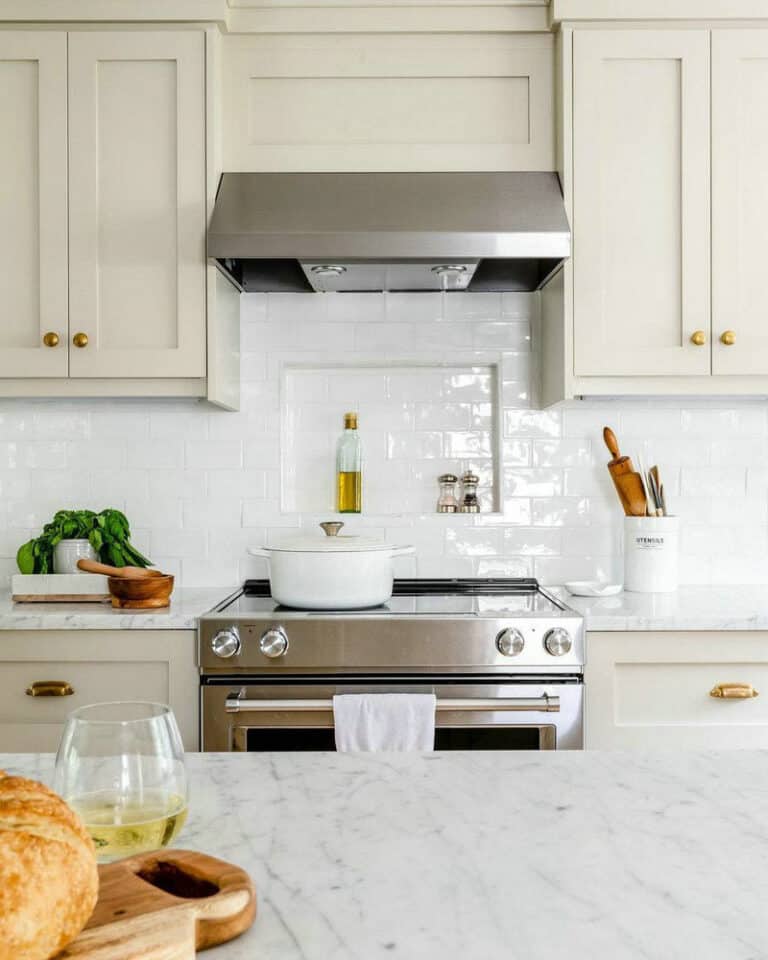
[{"x": 537, "y": 713}]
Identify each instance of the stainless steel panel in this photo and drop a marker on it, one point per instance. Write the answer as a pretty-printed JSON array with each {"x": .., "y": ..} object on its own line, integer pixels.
[
  {"x": 389, "y": 216},
  {"x": 227, "y": 731},
  {"x": 377, "y": 644}
]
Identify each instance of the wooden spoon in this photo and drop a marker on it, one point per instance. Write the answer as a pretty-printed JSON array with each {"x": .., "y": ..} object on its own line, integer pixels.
[{"x": 132, "y": 573}]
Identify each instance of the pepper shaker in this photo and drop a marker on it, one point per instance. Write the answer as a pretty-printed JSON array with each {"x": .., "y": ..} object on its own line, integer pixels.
[{"x": 469, "y": 502}]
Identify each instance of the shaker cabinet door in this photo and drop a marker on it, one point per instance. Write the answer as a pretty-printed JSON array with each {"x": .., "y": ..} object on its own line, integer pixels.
[
  {"x": 137, "y": 204},
  {"x": 641, "y": 186},
  {"x": 739, "y": 201},
  {"x": 33, "y": 204}
]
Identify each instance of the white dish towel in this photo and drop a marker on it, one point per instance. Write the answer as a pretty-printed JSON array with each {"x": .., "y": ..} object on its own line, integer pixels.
[{"x": 375, "y": 722}]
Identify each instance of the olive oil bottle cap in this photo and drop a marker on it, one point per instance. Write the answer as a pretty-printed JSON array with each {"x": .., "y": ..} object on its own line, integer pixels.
[{"x": 350, "y": 421}]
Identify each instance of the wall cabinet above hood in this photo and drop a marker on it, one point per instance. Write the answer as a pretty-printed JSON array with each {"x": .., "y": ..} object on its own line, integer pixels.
[{"x": 389, "y": 231}]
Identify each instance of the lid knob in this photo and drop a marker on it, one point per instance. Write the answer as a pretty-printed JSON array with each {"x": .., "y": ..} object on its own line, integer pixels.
[{"x": 331, "y": 528}]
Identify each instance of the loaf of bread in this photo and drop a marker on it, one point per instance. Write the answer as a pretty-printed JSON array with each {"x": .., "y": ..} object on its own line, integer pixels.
[{"x": 48, "y": 875}]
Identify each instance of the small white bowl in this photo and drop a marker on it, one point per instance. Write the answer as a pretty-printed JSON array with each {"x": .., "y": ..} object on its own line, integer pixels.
[{"x": 593, "y": 588}]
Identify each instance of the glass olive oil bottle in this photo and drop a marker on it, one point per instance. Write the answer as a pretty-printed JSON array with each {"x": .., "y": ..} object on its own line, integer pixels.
[{"x": 349, "y": 475}]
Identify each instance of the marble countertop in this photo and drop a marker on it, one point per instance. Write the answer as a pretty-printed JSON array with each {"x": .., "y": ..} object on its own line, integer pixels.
[
  {"x": 187, "y": 605},
  {"x": 689, "y": 608},
  {"x": 468, "y": 856}
]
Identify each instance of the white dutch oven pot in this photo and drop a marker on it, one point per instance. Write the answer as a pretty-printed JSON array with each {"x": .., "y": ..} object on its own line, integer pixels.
[{"x": 331, "y": 573}]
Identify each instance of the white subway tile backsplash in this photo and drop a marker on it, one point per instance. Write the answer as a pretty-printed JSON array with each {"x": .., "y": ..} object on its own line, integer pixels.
[
  {"x": 713, "y": 481},
  {"x": 443, "y": 383},
  {"x": 471, "y": 306},
  {"x": 214, "y": 454},
  {"x": 560, "y": 511},
  {"x": 531, "y": 423},
  {"x": 407, "y": 308},
  {"x": 424, "y": 445},
  {"x": 525, "y": 482}
]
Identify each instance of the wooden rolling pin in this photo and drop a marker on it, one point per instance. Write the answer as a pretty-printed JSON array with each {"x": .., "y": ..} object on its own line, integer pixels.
[{"x": 628, "y": 483}]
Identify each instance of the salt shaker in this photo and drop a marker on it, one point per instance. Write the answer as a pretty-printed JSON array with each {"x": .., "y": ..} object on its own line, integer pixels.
[
  {"x": 469, "y": 503},
  {"x": 447, "y": 502}
]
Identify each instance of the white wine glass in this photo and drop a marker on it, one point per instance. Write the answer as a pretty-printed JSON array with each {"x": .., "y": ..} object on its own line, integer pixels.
[{"x": 121, "y": 767}]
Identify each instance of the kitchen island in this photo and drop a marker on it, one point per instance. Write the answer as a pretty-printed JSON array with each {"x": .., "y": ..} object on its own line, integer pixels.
[{"x": 486, "y": 855}]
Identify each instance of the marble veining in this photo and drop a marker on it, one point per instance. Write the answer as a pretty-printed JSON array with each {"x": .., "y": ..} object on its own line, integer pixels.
[
  {"x": 187, "y": 605},
  {"x": 743, "y": 607},
  {"x": 460, "y": 856}
]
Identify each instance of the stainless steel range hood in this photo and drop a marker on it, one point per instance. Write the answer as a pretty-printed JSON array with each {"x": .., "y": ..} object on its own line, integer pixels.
[{"x": 389, "y": 231}]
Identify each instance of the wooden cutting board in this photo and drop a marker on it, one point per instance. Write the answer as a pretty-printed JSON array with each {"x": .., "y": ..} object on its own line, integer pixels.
[{"x": 165, "y": 906}]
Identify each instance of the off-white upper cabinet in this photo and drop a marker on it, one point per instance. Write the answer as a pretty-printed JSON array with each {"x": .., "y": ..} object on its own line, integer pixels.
[
  {"x": 641, "y": 202},
  {"x": 103, "y": 208},
  {"x": 33, "y": 203},
  {"x": 137, "y": 198},
  {"x": 669, "y": 205},
  {"x": 739, "y": 202}
]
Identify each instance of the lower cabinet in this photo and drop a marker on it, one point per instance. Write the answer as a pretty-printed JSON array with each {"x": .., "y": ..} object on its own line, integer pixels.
[
  {"x": 706, "y": 690},
  {"x": 96, "y": 665}
]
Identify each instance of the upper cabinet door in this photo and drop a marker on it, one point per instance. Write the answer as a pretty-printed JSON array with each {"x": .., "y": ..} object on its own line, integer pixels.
[
  {"x": 137, "y": 204},
  {"x": 33, "y": 204},
  {"x": 739, "y": 202},
  {"x": 641, "y": 202}
]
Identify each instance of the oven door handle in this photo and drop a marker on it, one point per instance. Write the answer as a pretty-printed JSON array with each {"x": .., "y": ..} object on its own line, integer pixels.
[{"x": 543, "y": 704}]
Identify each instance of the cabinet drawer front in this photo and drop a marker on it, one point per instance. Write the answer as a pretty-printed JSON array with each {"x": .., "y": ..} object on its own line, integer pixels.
[
  {"x": 652, "y": 690},
  {"x": 654, "y": 694},
  {"x": 36, "y": 723}
]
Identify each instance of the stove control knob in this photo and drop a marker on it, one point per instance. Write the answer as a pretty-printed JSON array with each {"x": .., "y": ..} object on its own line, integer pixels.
[
  {"x": 558, "y": 642},
  {"x": 274, "y": 642},
  {"x": 510, "y": 642},
  {"x": 226, "y": 643}
]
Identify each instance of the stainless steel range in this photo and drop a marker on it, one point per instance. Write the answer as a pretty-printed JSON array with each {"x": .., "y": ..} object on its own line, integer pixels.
[{"x": 504, "y": 658}]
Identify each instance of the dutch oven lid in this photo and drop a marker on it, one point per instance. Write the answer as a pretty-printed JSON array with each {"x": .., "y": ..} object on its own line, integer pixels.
[{"x": 332, "y": 542}]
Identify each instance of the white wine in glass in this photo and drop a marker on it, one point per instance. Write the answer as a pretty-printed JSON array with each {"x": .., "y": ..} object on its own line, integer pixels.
[{"x": 121, "y": 767}]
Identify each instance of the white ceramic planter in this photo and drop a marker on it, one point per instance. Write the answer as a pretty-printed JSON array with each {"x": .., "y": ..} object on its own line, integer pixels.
[
  {"x": 651, "y": 554},
  {"x": 332, "y": 573},
  {"x": 66, "y": 553}
]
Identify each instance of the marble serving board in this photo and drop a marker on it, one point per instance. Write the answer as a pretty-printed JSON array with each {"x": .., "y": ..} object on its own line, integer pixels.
[{"x": 59, "y": 587}]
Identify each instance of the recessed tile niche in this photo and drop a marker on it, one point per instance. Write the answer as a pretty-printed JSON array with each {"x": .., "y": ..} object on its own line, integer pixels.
[{"x": 415, "y": 422}]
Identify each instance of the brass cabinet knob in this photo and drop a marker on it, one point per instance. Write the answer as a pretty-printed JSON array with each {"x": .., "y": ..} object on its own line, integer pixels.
[
  {"x": 51, "y": 339},
  {"x": 733, "y": 691},
  {"x": 698, "y": 338},
  {"x": 80, "y": 339},
  {"x": 728, "y": 338}
]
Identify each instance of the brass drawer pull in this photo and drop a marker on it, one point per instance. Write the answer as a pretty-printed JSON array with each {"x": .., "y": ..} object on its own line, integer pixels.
[
  {"x": 50, "y": 688},
  {"x": 698, "y": 338},
  {"x": 51, "y": 339},
  {"x": 733, "y": 691},
  {"x": 80, "y": 339}
]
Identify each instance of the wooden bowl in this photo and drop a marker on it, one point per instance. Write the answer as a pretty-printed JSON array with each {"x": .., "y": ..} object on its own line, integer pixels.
[{"x": 140, "y": 593}]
